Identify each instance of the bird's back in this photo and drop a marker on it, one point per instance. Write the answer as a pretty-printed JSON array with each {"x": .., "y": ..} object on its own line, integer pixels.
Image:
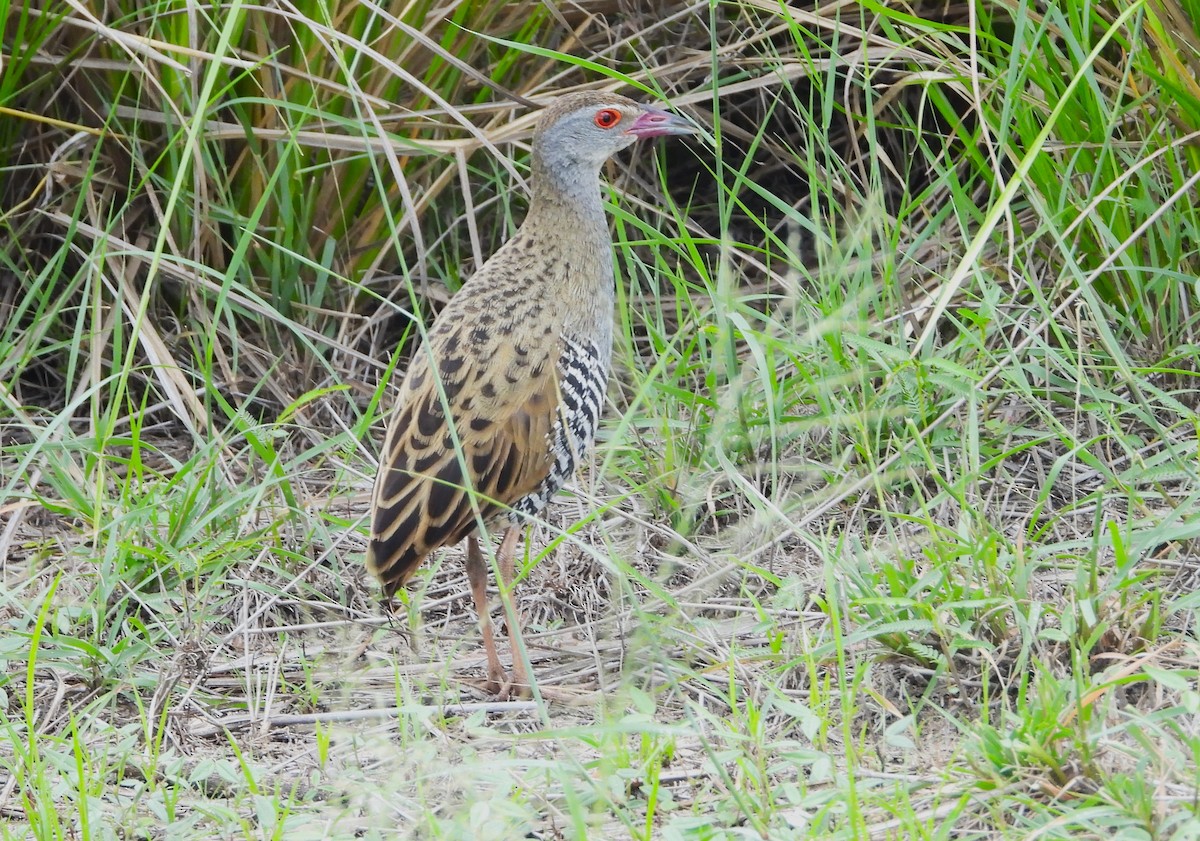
[{"x": 520, "y": 361}]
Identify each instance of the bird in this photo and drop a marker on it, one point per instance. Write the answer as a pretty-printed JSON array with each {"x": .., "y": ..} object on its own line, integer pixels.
[{"x": 498, "y": 407}]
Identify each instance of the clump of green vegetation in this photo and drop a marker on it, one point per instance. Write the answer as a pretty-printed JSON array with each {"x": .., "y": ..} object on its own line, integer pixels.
[{"x": 891, "y": 529}]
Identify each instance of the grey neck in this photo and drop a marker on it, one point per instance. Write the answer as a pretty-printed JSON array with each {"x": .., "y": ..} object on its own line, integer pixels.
[
  {"x": 568, "y": 194},
  {"x": 569, "y": 214}
]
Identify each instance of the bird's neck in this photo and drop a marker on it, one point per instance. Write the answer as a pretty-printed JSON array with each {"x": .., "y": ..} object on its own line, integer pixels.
[
  {"x": 567, "y": 214},
  {"x": 566, "y": 218},
  {"x": 567, "y": 196}
]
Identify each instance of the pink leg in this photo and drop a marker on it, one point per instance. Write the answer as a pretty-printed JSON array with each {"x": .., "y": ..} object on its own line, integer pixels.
[
  {"x": 518, "y": 684},
  {"x": 477, "y": 575}
]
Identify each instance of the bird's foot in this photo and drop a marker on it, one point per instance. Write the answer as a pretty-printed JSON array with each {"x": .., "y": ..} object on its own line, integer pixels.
[
  {"x": 514, "y": 690},
  {"x": 503, "y": 686},
  {"x": 497, "y": 679},
  {"x": 507, "y": 688}
]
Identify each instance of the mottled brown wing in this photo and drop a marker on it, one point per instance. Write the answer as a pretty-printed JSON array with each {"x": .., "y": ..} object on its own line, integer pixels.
[{"x": 503, "y": 399}]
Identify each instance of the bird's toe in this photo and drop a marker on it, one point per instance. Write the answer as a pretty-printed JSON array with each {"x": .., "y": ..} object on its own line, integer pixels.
[
  {"x": 497, "y": 682},
  {"x": 513, "y": 691}
]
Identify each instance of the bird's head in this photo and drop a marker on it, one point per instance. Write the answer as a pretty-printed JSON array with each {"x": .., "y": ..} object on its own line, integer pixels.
[{"x": 581, "y": 131}]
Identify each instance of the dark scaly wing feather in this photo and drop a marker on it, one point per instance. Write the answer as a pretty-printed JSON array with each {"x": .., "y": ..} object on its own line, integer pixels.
[{"x": 503, "y": 397}]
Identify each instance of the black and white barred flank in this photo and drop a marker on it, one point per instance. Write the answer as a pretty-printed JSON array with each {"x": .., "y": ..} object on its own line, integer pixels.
[{"x": 582, "y": 378}]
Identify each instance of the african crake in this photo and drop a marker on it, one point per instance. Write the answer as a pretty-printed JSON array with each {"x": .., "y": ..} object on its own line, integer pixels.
[{"x": 519, "y": 358}]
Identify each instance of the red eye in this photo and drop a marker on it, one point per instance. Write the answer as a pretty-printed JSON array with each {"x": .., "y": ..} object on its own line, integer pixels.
[{"x": 608, "y": 118}]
